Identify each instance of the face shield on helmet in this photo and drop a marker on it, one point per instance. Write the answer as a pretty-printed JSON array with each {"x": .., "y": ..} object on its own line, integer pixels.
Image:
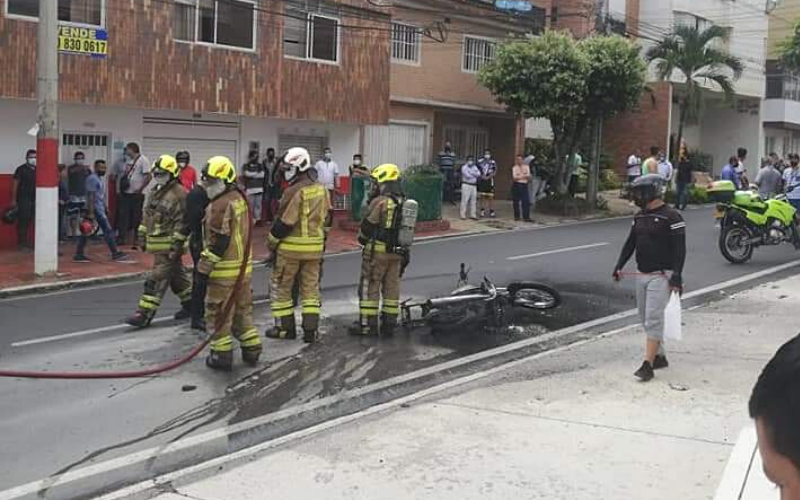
[
  {"x": 296, "y": 161},
  {"x": 647, "y": 188},
  {"x": 165, "y": 169},
  {"x": 218, "y": 174}
]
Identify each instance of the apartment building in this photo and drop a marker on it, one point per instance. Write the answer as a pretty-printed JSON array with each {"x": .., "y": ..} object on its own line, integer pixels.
[{"x": 781, "y": 110}]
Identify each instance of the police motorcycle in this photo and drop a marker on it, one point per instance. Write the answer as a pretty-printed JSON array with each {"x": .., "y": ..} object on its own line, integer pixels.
[
  {"x": 747, "y": 221},
  {"x": 482, "y": 305}
]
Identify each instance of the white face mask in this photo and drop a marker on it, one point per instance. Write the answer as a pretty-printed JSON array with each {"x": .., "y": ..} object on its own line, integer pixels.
[
  {"x": 32, "y": 162},
  {"x": 290, "y": 173},
  {"x": 182, "y": 164},
  {"x": 356, "y": 162},
  {"x": 161, "y": 178},
  {"x": 487, "y": 157},
  {"x": 80, "y": 161}
]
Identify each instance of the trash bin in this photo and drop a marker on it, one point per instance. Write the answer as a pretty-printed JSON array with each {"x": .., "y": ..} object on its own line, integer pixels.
[{"x": 359, "y": 192}]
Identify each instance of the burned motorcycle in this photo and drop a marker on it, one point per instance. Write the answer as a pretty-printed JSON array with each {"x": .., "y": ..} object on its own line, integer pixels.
[{"x": 484, "y": 305}]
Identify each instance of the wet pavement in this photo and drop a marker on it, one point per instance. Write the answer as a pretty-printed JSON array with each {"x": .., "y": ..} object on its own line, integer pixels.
[{"x": 58, "y": 427}]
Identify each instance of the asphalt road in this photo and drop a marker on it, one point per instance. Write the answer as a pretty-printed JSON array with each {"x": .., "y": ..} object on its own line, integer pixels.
[{"x": 50, "y": 427}]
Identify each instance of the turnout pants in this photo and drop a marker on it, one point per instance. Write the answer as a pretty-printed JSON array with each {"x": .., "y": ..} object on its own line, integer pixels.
[
  {"x": 380, "y": 279},
  {"x": 166, "y": 273},
  {"x": 239, "y": 321},
  {"x": 284, "y": 273}
]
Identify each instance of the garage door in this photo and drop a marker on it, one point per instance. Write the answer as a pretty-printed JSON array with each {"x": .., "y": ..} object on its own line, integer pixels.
[
  {"x": 200, "y": 150},
  {"x": 315, "y": 145},
  {"x": 401, "y": 144}
]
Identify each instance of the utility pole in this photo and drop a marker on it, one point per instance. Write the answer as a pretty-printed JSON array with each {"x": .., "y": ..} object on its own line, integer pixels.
[{"x": 46, "y": 250}]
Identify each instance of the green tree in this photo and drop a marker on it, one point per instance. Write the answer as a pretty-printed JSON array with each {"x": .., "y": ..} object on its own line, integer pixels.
[
  {"x": 572, "y": 84},
  {"x": 789, "y": 50},
  {"x": 693, "y": 55}
]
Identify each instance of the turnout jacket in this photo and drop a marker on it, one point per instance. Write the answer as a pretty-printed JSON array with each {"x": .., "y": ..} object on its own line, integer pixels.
[
  {"x": 163, "y": 219},
  {"x": 225, "y": 234},
  {"x": 377, "y": 232},
  {"x": 302, "y": 221}
]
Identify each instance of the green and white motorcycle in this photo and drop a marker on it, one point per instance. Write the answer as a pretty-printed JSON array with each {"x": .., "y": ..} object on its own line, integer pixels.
[{"x": 747, "y": 221}]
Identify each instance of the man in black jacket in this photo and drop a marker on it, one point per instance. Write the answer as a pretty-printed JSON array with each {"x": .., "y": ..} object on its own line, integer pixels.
[
  {"x": 196, "y": 203},
  {"x": 658, "y": 237}
]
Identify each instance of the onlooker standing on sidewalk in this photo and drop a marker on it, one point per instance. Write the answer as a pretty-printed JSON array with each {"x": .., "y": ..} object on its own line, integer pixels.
[
  {"x": 270, "y": 166},
  {"x": 188, "y": 175},
  {"x": 665, "y": 168},
  {"x": 252, "y": 178},
  {"x": 521, "y": 174},
  {"x": 574, "y": 164},
  {"x": 768, "y": 178},
  {"x": 134, "y": 178},
  {"x": 730, "y": 172},
  {"x": 23, "y": 192},
  {"x": 96, "y": 210},
  {"x": 535, "y": 182},
  {"x": 328, "y": 172},
  {"x": 634, "y": 166},
  {"x": 658, "y": 236},
  {"x": 791, "y": 180},
  {"x": 684, "y": 180},
  {"x": 775, "y": 406},
  {"x": 470, "y": 174},
  {"x": 741, "y": 155},
  {"x": 76, "y": 185},
  {"x": 650, "y": 165},
  {"x": 447, "y": 163},
  {"x": 486, "y": 184},
  {"x": 63, "y": 201}
]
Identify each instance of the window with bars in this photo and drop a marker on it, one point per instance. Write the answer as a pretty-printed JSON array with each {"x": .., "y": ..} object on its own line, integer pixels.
[
  {"x": 88, "y": 12},
  {"x": 477, "y": 52},
  {"x": 466, "y": 141},
  {"x": 406, "y": 43}
]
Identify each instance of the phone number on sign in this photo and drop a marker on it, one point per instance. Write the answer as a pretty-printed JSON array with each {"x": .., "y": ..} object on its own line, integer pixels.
[{"x": 82, "y": 45}]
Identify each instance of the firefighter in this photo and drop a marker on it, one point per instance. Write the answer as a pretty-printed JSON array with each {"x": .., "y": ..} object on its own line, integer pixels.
[
  {"x": 297, "y": 241},
  {"x": 384, "y": 259},
  {"x": 225, "y": 247},
  {"x": 164, "y": 236}
]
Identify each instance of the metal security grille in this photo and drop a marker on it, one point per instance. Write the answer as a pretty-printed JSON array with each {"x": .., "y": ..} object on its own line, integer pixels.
[
  {"x": 406, "y": 41},
  {"x": 477, "y": 52}
]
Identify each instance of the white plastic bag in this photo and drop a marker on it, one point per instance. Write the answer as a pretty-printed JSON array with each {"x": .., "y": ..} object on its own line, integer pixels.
[{"x": 672, "y": 318}]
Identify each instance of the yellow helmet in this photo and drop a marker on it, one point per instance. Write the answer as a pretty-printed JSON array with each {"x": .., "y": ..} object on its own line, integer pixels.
[
  {"x": 385, "y": 173},
  {"x": 168, "y": 164},
  {"x": 220, "y": 167}
]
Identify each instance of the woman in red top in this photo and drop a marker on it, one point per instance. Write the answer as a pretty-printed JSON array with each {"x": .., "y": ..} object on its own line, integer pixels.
[{"x": 188, "y": 175}]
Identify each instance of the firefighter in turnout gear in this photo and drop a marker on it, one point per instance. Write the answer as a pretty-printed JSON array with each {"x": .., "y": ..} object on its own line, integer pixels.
[
  {"x": 297, "y": 241},
  {"x": 226, "y": 249},
  {"x": 384, "y": 259},
  {"x": 163, "y": 235}
]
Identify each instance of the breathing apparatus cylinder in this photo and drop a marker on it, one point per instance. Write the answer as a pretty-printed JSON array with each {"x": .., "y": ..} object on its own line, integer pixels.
[{"x": 408, "y": 223}]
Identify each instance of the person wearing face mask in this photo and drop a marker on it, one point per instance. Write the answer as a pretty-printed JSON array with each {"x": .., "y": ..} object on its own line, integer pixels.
[
  {"x": 76, "y": 185},
  {"x": 97, "y": 211},
  {"x": 134, "y": 177},
  {"x": 486, "y": 184},
  {"x": 23, "y": 192},
  {"x": 188, "y": 175},
  {"x": 470, "y": 175},
  {"x": 791, "y": 181},
  {"x": 164, "y": 236},
  {"x": 447, "y": 163},
  {"x": 196, "y": 204},
  {"x": 297, "y": 242},
  {"x": 252, "y": 178},
  {"x": 658, "y": 236},
  {"x": 328, "y": 172},
  {"x": 226, "y": 268},
  {"x": 270, "y": 165}
]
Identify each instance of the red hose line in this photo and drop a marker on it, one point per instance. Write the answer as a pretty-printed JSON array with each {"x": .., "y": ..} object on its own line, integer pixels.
[{"x": 148, "y": 372}]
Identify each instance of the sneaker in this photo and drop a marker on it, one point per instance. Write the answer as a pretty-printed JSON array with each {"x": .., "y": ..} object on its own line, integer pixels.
[
  {"x": 81, "y": 258},
  {"x": 492, "y": 215},
  {"x": 120, "y": 257},
  {"x": 645, "y": 373},
  {"x": 660, "y": 362}
]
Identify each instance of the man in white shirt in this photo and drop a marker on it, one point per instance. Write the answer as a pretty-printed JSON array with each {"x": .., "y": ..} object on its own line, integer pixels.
[
  {"x": 328, "y": 172},
  {"x": 634, "y": 166},
  {"x": 665, "y": 169}
]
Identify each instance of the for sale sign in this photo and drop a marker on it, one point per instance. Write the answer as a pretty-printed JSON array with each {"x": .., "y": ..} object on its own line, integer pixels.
[{"x": 88, "y": 41}]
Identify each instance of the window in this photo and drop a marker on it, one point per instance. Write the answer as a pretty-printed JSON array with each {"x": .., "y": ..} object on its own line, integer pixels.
[
  {"x": 184, "y": 15},
  {"x": 477, "y": 52},
  {"x": 221, "y": 22},
  {"x": 406, "y": 42},
  {"x": 69, "y": 11},
  {"x": 311, "y": 36},
  {"x": 692, "y": 21}
]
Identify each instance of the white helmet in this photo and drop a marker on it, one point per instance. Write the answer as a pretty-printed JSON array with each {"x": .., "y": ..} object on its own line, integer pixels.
[{"x": 298, "y": 161}]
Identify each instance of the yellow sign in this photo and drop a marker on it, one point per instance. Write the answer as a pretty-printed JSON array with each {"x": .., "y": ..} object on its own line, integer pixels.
[{"x": 90, "y": 41}]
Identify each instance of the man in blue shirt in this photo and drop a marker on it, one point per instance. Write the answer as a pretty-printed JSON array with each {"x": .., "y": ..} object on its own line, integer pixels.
[
  {"x": 447, "y": 163},
  {"x": 730, "y": 172},
  {"x": 96, "y": 210}
]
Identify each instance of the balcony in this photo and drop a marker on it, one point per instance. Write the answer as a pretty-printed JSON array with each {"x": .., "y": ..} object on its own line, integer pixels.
[{"x": 782, "y": 103}]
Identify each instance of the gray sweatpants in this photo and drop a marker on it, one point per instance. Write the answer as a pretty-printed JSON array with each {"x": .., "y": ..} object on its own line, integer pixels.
[{"x": 652, "y": 296}]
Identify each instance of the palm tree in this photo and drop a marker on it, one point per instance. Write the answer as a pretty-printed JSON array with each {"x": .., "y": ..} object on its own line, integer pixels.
[{"x": 693, "y": 54}]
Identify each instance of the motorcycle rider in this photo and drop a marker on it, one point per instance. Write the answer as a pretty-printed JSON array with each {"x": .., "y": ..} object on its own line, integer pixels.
[
  {"x": 658, "y": 236},
  {"x": 226, "y": 236},
  {"x": 164, "y": 236},
  {"x": 297, "y": 243},
  {"x": 382, "y": 261}
]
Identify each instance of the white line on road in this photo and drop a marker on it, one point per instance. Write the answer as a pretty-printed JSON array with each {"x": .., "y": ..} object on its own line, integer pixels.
[
  {"x": 209, "y": 436},
  {"x": 558, "y": 250}
]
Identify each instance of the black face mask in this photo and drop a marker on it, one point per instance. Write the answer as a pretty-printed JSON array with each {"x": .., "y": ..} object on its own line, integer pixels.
[{"x": 101, "y": 174}]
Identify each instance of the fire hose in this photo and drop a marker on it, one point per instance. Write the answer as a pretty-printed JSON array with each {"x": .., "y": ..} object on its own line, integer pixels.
[{"x": 155, "y": 370}]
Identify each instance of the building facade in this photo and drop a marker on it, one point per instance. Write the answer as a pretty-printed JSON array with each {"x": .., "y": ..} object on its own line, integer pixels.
[{"x": 781, "y": 111}]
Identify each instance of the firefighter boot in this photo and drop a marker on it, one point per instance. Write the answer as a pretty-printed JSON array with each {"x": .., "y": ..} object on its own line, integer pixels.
[
  {"x": 220, "y": 360},
  {"x": 310, "y": 328},
  {"x": 185, "y": 312},
  {"x": 139, "y": 319},
  {"x": 284, "y": 328},
  {"x": 368, "y": 326},
  {"x": 251, "y": 347},
  {"x": 388, "y": 324}
]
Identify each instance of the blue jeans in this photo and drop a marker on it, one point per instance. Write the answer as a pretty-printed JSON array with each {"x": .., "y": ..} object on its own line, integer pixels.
[
  {"x": 683, "y": 194},
  {"x": 102, "y": 221}
]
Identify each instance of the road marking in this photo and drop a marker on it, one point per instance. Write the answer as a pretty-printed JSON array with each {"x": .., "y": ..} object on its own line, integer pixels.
[
  {"x": 127, "y": 460},
  {"x": 558, "y": 250}
]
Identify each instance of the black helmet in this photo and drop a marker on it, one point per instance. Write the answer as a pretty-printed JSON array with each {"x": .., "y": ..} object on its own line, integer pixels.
[
  {"x": 10, "y": 215},
  {"x": 182, "y": 156},
  {"x": 647, "y": 188}
]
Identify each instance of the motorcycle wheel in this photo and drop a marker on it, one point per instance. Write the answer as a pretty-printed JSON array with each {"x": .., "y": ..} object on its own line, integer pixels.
[
  {"x": 533, "y": 295},
  {"x": 731, "y": 247}
]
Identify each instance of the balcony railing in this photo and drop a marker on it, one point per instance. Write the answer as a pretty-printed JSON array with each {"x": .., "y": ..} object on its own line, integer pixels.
[{"x": 783, "y": 86}]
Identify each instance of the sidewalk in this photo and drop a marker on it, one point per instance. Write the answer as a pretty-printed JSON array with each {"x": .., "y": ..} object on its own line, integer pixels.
[
  {"x": 16, "y": 267},
  {"x": 572, "y": 424}
]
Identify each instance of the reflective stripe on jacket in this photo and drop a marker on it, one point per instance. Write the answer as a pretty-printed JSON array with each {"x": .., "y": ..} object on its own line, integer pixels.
[
  {"x": 163, "y": 218},
  {"x": 227, "y": 215},
  {"x": 304, "y": 207}
]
